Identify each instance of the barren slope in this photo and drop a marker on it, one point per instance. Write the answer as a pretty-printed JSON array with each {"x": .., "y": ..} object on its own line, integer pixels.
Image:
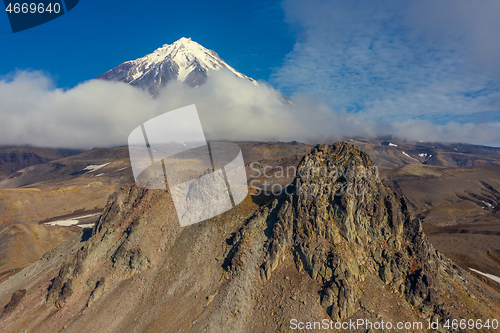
[
  {"x": 459, "y": 208},
  {"x": 308, "y": 256}
]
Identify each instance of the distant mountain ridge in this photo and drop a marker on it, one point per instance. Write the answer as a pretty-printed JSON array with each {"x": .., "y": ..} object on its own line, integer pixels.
[
  {"x": 307, "y": 255},
  {"x": 184, "y": 60},
  {"x": 14, "y": 158}
]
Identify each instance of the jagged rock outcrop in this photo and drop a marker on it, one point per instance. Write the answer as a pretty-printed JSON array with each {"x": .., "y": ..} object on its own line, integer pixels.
[
  {"x": 336, "y": 244},
  {"x": 116, "y": 251},
  {"x": 341, "y": 224},
  {"x": 14, "y": 301}
]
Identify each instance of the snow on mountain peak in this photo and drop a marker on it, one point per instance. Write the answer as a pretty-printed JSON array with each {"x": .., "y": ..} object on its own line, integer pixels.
[{"x": 184, "y": 60}]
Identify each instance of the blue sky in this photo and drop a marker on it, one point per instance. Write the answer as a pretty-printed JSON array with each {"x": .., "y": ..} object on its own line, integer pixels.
[
  {"x": 418, "y": 70},
  {"x": 403, "y": 60},
  {"x": 99, "y": 35}
]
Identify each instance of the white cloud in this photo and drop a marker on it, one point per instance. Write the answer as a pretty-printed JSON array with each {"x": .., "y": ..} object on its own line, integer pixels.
[
  {"x": 475, "y": 23},
  {"x": 102, "y": 114},
  {"x": 383, "y": 60},
  {"x": 92, "y": 114}
]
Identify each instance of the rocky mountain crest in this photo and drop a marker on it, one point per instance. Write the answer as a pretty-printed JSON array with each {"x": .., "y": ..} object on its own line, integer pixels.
[
  {"x": 341, "y": 224},
  {"x": 337, "y": 243}
]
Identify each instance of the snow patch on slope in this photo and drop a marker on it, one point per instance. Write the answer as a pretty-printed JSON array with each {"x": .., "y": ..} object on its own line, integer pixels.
[
  {"x": 409, "y": 156},
  {"x": 71, "y": 221},
  {"x": 490, "y": 276},
  {"x": 92, "y": 167},
  {"x": 488, "y": 204}
]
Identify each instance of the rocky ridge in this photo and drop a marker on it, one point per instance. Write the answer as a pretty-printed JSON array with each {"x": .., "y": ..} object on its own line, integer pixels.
[
  {"x": 336, "y": 244},
  {"x": 340, "y": 234}
]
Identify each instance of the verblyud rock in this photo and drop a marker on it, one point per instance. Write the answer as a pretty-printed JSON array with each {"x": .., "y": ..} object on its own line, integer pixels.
[{"x": 336, "y": 245}]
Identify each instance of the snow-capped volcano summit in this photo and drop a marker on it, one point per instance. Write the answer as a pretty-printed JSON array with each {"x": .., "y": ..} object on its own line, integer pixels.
[{"x": 184, "y": 60}]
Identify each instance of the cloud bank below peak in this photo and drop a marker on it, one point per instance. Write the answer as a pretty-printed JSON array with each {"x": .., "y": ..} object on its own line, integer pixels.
[{"x": 102, "y": 114}]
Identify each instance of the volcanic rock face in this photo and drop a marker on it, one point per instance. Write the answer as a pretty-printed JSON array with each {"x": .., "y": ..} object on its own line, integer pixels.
[
  {"x": 116, "y": 251},
  {"x": 335, "y": 244},
  {"x": 342, "y": 224},
  {"x": 359, "y": 227}
]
